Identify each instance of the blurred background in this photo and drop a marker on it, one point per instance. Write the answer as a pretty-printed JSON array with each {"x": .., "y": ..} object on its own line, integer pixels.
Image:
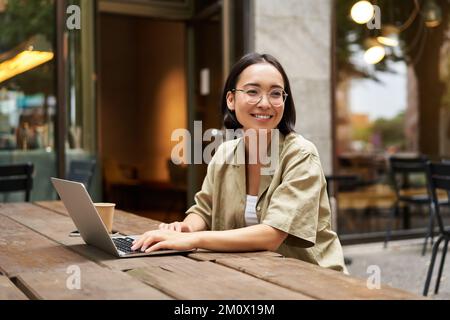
[{"x": 106, "y": 82}]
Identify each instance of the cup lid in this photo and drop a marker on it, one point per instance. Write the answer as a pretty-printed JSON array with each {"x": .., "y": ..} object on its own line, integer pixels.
[{"x": 104, "y": 204}]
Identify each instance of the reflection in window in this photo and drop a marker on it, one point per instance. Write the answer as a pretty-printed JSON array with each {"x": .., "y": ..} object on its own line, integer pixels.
[
  {"x": 392, "y": 97},
  {"x": 27, "y": 93}
]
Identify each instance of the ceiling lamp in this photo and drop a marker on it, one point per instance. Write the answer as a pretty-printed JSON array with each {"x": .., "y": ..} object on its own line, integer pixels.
[
  {"x": 362, "y": 12},
  {"x": 27, "y": 56}
]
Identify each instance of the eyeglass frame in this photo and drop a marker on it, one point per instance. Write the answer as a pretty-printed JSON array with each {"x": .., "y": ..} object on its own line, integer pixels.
[{"x": 285, "y": 95}]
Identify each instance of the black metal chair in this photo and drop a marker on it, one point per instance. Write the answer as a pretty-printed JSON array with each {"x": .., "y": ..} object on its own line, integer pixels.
[
  {"x": 401, "y": 171},
  {"x": 17, "y": 177},
  {"x": 439, "y": 178},
  {"x": 334, "y": 183},
  {"x": 82, "y": 171}
]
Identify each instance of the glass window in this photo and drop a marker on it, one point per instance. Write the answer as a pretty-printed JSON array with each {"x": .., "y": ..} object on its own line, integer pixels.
[
  {"x": 81, "y": 141},
  {"x": 391, "y": 99},
  {"x": 27, "y": 89}
]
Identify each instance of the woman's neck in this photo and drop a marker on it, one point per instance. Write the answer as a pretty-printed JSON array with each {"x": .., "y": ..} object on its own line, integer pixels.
[{"x": 253, "y": 144}]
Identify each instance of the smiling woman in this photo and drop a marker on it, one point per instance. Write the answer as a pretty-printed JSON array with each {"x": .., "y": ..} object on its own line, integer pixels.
[{"x": 242, "y": 208}]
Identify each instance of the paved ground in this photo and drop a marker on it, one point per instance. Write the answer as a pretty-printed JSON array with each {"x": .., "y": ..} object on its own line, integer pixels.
[{"x": 401, "y": 265}]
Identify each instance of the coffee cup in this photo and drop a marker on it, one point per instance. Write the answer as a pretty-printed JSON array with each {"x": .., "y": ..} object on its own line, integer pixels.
[{"x": 106, "y": 212}]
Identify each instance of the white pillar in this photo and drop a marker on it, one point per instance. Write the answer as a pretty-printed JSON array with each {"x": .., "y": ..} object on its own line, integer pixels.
[{"x": 298, "y": 34}]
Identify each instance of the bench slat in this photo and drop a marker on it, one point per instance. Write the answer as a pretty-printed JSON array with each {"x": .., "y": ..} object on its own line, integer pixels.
[
  {"x": 319, "y": 282},
  {"x": 8, "y": 291},
  {"x": 206, "y": 280}
]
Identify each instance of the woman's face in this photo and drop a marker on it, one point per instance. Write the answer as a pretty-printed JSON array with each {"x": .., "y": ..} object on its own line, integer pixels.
[{"x": 258, "y": 78}]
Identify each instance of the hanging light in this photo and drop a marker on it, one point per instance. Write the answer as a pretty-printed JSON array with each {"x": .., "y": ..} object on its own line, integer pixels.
[
  {"x": 389, "y": 36},
  {"x": 27, "y": 56},
  {"x": 432, "y": 14},
  {"x": 362, "y": 12},
  {"x": 375, "y": 51}
]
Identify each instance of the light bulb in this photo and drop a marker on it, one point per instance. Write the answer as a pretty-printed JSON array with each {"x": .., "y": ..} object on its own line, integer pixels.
[
  {"x": 362, "y": 12},
  {"x": 389, "y": 36},
  {"x": 432, "y": 14},
  {"x": 374, "y": 54}
]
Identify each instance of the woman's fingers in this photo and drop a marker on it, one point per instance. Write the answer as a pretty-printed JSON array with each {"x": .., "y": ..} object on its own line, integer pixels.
[
  {"x": 136, "y": 244},
  {"x": 158, "y": 246},
  {"x": 147, "y": 242},
  {"x": 174, "y": 226},
  {"x": 140, "y": 241},
  {"x": 150, "y": 240}
]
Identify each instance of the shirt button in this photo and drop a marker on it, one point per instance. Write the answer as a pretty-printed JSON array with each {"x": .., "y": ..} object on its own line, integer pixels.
[{"x": 258, "y": 208}]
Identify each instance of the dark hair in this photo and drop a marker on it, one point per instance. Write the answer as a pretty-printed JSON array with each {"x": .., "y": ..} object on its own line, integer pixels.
[{"x": 230, "y": 121}]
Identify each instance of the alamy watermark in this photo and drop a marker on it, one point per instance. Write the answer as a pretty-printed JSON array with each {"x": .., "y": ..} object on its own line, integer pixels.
[
  {"x": 73, "y": 21},
  {"x": 374, "y": 280},
  {"x": 375, "y": 23},
  {"x": 73, "y": 281},
  {"x": 262, "y": 146}
]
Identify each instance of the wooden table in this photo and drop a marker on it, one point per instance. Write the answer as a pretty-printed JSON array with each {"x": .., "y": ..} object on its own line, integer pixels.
[{"x": 37, "y": 259}]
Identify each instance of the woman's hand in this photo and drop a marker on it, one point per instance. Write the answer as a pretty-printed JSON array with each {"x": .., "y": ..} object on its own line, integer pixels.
[
  {"x": 165, "y": 239},
  {"x": 179, "y": 226}
]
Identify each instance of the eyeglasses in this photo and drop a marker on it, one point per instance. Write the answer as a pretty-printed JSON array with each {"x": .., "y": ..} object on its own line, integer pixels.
[{"x": 277, "y": 97}]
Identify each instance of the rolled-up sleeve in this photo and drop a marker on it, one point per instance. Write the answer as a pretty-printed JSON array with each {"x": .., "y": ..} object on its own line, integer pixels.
[{"x": 295, "y": 203}]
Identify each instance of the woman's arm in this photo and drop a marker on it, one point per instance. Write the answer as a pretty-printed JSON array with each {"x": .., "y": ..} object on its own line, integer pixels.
[{"x": 253, "y": 238}]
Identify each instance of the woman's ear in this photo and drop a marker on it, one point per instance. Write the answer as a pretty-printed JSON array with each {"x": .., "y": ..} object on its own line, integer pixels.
[{"x": 230, "y": 100}]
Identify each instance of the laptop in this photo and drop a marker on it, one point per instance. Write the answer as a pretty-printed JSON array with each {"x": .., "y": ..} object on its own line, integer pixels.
[{"x": 78, "y": 203}]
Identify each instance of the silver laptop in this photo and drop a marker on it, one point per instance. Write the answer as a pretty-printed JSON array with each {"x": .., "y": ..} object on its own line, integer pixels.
[{"x": 91, "y": 227}]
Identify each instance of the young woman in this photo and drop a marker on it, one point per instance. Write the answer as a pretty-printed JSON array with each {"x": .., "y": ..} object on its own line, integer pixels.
[{"x": 238, "y": 208}]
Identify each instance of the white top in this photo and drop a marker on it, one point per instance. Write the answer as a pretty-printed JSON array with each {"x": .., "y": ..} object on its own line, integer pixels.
[{"x": 250, "y": 211}]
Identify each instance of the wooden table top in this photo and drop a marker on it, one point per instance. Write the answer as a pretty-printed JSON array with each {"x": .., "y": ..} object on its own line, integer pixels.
[{"x": 37, "y": 258}]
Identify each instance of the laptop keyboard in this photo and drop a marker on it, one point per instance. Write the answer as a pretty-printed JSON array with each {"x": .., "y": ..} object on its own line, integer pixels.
[{"x": 125, "y": 244}]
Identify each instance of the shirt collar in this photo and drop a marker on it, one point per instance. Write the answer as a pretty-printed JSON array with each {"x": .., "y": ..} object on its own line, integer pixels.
[{"x": 239, "y": 151}]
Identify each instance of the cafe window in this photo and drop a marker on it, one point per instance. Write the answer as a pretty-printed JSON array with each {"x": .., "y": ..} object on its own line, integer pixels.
[
  {"x": 27, "y": 90},
  {"x": 392, "y": 98},
  {"x": 80, "y": 81}
]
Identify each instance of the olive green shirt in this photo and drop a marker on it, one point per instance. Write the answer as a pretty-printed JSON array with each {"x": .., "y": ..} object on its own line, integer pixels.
[{"x": 291, "y": 198}]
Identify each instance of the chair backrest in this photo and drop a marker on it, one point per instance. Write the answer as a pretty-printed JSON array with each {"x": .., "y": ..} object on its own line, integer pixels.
[
  {"x": 438, "y": 174},
  {"x": 17, "y": 177},
  {"x": 82, "y": 171},
  {"x": 341, "y": 182},
  {"x": 405, "y": 168}
]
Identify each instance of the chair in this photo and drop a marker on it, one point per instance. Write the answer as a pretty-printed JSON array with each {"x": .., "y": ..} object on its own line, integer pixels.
[
  {"x": 439, "y": 178},
  {"x": 333, "y": 184},
  {"x": 336, "y": 183},
  {"x": 405, "y": 168},
  {"x": 82, "y": 171},
  {"x": 17, "y": 177}
]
